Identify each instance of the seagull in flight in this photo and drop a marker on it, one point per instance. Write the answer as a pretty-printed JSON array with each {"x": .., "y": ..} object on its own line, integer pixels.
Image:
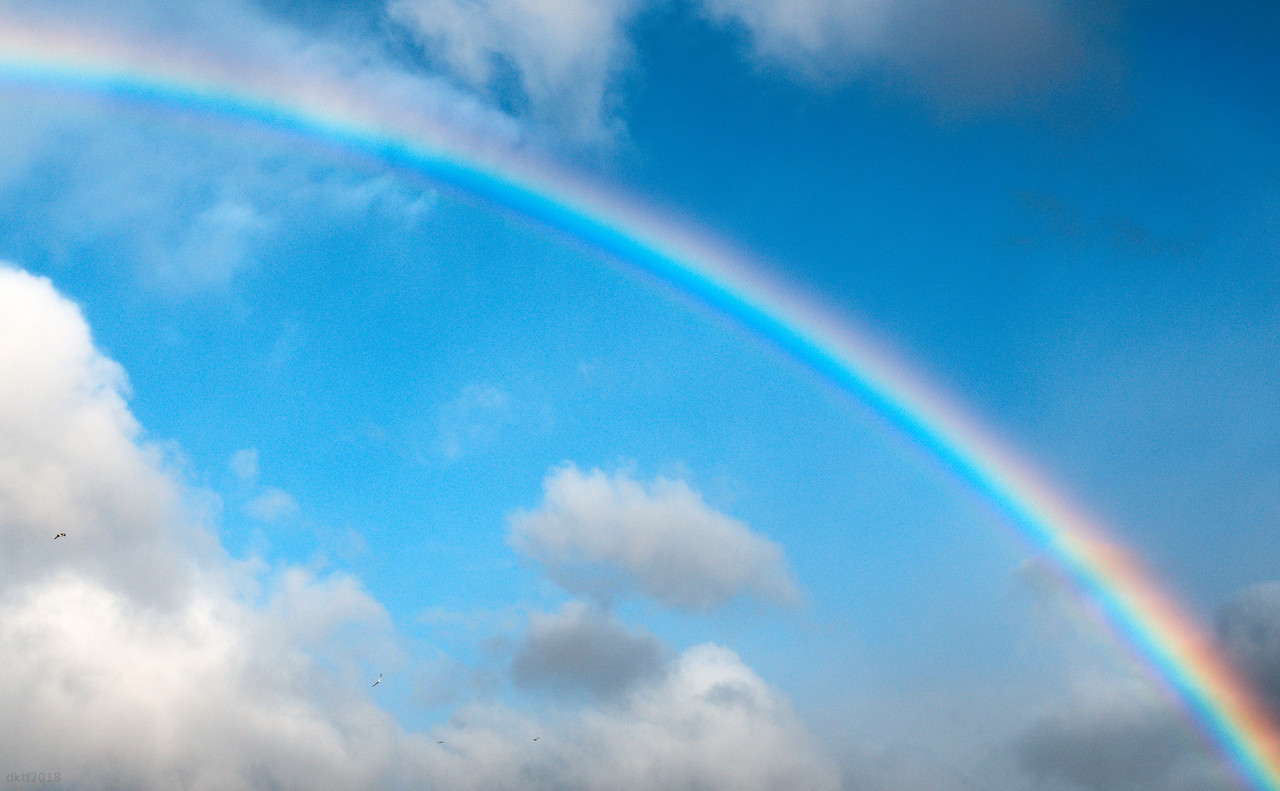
[
  {"x": 60, "y": 535},
  {"x": 379, "y": 681},
  {"x": 535, "y": 738}
]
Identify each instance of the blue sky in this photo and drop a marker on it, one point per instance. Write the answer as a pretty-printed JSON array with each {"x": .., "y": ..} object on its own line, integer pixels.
[{"x": 362, "y": 423}]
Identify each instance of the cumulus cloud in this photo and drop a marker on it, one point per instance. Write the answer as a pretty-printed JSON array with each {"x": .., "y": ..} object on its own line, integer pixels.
[
  {"x": 714, "y": 723},
  {"x": 1107, "y": 722},
  {"x": 584, "y": 650},
  {"x": 608, "y": 536}
]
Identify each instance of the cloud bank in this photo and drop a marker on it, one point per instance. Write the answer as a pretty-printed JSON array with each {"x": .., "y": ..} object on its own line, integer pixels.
[{"x": 605, "y": 537}]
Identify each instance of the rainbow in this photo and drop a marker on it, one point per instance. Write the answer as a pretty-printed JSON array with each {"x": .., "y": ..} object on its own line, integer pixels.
[{"x": 1111, "y": 582}]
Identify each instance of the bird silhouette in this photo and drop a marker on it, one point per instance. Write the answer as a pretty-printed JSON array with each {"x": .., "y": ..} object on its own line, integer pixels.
[
  {"x": 60, "y": 535},
  {"x": 379, "y": 681}
]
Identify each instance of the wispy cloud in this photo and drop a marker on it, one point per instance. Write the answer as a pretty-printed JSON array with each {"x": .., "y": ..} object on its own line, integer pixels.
[
  {"x": 562, "y": 57},
  {"x": 212, "y": 246},
  {"x": 244, "y": 465},
  {"x": 266, "y": 503},
  {"x": 473, "y": 420},
  {"x": 271, "y": 504}
]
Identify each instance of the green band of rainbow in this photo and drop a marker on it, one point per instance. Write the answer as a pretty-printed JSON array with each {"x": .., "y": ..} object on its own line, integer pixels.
[{"x": 1110, "y": 581}]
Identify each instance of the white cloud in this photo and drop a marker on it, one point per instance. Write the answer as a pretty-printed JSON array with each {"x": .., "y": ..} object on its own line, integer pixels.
[
  {"x": 290, "y": 341},
  {"x": 213, "y": 246},
  {"x": 141, "y": 196},
  {"x": 238, "y": 42},
  {"x": 607, "y": 536},
  {"x": 208, "y": 695}
]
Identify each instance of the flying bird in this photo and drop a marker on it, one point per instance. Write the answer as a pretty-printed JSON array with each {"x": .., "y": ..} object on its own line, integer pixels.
[
  {"x": 535, "y": 738},
  {"x": 379, "y": 681},
  {"x": 60, "y": 535},
  {"x": 440, "y": 741}
]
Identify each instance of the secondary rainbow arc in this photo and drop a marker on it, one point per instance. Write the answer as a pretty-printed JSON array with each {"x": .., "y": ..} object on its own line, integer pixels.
[{"x": 1125, "y": 598}]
